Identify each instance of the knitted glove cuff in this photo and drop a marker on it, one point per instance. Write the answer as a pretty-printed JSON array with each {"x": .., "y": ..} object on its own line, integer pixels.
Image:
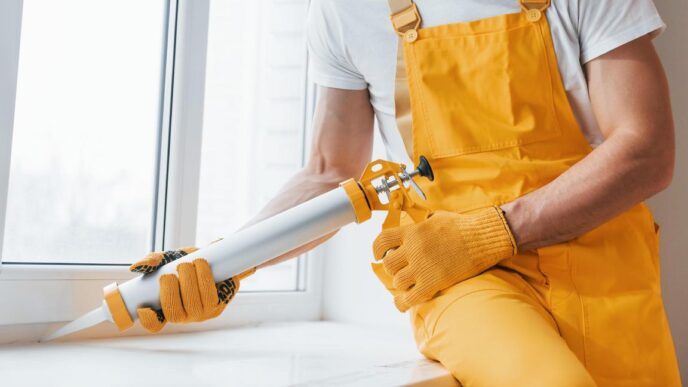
[{"x": 492, "y": 239}]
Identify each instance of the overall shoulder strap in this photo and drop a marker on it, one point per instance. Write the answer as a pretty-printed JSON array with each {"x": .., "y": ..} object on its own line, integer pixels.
[
  {"x": 533, "y": 4},
  {"x": 396, "y": 6},
  {"x": 405, "y": 20},
  {"x": 404, "y": 15}
]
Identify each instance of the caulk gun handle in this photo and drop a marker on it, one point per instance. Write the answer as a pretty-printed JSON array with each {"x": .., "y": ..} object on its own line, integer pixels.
[{"x": 397, "y": 205}]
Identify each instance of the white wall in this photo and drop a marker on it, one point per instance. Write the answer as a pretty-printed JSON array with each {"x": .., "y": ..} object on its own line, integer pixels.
[
  {"x": 353, "y": 294},
  {"x": 671, "y": 207}
]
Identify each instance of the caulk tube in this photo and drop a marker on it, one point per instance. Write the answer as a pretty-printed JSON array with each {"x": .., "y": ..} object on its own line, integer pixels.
[{"x": 246, "y": 248}]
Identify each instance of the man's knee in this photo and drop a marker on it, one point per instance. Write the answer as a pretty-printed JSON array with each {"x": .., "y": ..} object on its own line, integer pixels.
[{"x": 500, "y": 337}]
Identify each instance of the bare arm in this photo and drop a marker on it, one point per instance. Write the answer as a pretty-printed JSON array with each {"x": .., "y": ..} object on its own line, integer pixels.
[
  {"x": 342, "y": 146},
  {"x": 630, "y": 98}
]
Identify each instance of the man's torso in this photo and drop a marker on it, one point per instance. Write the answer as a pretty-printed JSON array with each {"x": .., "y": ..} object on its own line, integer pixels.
[{"x": 371, "y": 45}]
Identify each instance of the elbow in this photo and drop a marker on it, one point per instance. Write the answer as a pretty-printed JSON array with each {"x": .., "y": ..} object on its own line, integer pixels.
[
  {"x": 328, "y": 171},
  {"x": 650, "y": 159},
  {"x": 336, "y": 165},
  {"x": 665, "y": 177},
  {"x": 662, "y": 171}
]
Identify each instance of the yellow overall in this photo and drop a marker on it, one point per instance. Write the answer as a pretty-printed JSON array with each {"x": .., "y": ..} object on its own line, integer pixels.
[{"x": 490, "y": 112}]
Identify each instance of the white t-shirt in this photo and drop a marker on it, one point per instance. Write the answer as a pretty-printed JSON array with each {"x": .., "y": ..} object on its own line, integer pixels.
[{"x": 352, "y": 46}]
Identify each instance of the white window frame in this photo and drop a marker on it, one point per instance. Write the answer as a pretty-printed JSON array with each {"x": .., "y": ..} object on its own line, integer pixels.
[{"x": 42, "y": 294}]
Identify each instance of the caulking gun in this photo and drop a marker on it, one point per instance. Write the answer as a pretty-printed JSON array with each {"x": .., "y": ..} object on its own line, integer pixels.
[{"x": 384, "y": 186}]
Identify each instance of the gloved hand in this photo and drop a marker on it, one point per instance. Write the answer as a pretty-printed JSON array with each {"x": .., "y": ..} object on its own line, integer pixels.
[
  {"x": 190, "y": 296},
  {"x": 446, "y": 248}
]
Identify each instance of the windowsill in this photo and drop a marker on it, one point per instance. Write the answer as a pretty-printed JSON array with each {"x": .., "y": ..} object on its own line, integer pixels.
[
  {"x": 19, "y": 271},
  {"x": 68, "y": 291},
  {"x": 271, "y": 354}
]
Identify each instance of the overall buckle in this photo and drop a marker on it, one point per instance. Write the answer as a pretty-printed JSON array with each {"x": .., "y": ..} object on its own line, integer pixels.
[
  {"x": 534, "y": 9},
  {"x": 406, "y": 22}
]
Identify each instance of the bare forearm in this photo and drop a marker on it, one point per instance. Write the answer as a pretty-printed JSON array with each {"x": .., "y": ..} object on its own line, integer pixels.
[
  {"x": 342, "y": 145},
  {"x": 302, "y": 187},
  {"x": 614, "y": 177}
]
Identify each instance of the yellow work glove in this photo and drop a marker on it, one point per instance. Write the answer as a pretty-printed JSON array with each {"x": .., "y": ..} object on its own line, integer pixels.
[
  {"x": 446, "y": 248},
  {"x": 190, "y": 296}
]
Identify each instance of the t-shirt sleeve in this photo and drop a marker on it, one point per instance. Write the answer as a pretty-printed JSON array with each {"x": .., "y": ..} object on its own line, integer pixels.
[
  {"x": 329, "y": 62},
  {"x": 604, "y": 25}
]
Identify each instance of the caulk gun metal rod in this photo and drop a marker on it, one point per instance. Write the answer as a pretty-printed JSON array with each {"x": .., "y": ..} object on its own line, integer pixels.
[
  {"x": 393, "y": 182},
  {"x": 252, "y": 246}
]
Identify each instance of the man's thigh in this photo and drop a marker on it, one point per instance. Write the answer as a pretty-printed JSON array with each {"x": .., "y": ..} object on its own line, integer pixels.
[{"x": 492, "y": 331}]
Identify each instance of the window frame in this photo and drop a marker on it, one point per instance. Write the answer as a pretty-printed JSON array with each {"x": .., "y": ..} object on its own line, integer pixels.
[
  {"x": 68, "y": 290},
  {"x": 10, "y": 31}
]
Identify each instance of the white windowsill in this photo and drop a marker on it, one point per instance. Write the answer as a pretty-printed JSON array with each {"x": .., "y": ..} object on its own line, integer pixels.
[
  {"x": 271, "y": 354},
  {"x": 68, "y": 291},
  {"x": 11, "y": 272}
]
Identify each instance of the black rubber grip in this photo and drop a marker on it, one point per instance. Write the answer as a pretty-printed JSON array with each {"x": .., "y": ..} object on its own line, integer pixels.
[{"x": 425, "y": 169}]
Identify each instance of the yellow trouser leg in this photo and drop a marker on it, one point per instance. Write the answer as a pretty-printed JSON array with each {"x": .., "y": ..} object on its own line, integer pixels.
[{"x": 492, "y": 331}]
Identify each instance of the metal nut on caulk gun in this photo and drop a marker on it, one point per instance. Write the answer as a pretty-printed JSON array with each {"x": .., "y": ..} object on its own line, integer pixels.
[{"x": 423, "y": 170}]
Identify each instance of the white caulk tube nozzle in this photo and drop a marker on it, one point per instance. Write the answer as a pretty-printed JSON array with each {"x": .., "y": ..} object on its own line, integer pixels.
[{"x": 243, "y": 250}]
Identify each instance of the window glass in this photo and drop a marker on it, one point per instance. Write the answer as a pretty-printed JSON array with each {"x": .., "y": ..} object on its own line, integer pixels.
[
  {"x": 86, "y": 121},
  {"x": 253, "y": 119}
]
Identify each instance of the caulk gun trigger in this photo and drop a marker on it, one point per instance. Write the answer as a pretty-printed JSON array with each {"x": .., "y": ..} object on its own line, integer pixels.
[{"x": 418, "y": 190}]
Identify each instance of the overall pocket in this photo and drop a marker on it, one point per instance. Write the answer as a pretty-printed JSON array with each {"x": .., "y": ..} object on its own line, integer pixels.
[{"x": 483, "y": 92}]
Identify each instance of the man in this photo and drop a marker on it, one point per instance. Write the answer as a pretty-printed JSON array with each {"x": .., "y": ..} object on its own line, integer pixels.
[{"x": 546, "y": 125}]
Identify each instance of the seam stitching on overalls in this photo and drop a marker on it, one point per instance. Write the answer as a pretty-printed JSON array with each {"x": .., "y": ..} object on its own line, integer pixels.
[
  {"x": 427, "y": 130},
  {"x": 425, "y": 330},
  {"x": 549, "y": 73},
  {"x": 525, "y": 140},
  {"x": 432, "y": 31},
  {"x": 439, "y": 316},
  {"x": 584, "y": 317},
  {"x": 527, "y": 288}
]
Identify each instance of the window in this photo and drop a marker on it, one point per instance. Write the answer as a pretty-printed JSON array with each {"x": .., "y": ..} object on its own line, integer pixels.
[
  {"x": 253, "y": 123},
  {"x": 82, "y": 176},
  {"x": 148, "y": 125}
]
